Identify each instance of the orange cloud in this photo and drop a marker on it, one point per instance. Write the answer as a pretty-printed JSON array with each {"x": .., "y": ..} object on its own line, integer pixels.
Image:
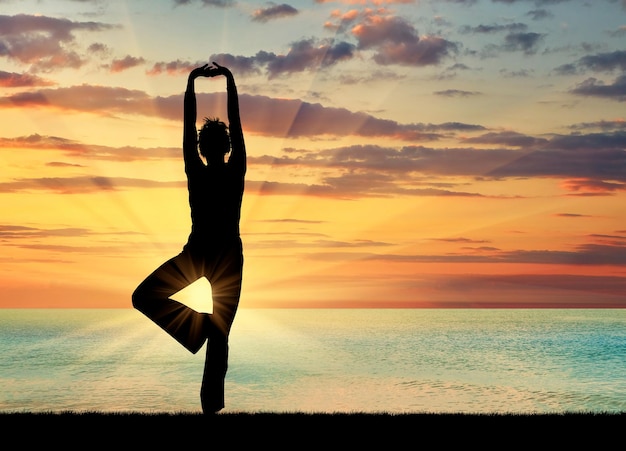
[
  {"x": 587, "y": 187},
  {"x": 82, "y": 185},
  {"x": 13, "y": 80}
]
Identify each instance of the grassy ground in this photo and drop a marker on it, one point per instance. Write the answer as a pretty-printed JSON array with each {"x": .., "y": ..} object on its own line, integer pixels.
[{"x": 349, "y": 431}]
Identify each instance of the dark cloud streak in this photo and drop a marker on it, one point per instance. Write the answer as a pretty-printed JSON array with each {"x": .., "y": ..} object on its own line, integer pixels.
[
  {"x": 592, "y": 87},
  {"x": 273, "y": 12},
  {"x": 588, "y": 254},
  {"x": 83, "y": 184}
]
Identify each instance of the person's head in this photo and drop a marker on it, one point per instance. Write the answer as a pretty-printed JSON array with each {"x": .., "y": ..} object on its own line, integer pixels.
[{"x": 213, "y": 139}]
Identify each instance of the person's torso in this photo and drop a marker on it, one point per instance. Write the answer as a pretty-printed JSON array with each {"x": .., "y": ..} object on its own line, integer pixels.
[{"x": 215, "y": 197}]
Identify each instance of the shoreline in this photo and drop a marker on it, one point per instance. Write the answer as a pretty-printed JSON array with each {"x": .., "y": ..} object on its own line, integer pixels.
[{"x": 297, "y": 415}]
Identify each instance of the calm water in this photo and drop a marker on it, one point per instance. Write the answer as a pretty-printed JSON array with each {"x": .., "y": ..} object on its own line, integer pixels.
[{"x": 322, "y": 361}]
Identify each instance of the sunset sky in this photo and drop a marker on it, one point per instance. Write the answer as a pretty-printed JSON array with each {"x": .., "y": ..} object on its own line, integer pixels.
[{"x": 410, "y": 153}]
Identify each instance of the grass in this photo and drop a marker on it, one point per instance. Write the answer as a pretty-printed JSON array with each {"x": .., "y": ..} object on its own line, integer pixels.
[{"x": 303, "y": 430}]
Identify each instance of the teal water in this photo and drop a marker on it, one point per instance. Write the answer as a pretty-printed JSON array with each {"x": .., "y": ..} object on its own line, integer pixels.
[{"x": 422, "y": 360}]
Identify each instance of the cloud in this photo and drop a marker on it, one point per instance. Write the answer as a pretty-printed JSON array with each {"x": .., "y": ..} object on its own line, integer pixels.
[
  {"x": 566, "y": 69},
  {"x": 395, "y": 41},
  {"x": 605, "y": 62},
  {"x": 592, "y": 87},
  {"x": 599, "y": 62},
  {"x": 465, "y": 2},
  {"x": 13, "y": 80},
  {"x": 539, "y": 14},
  {"x": 293, "y": 221},
  {"x": 374, "y": 2},
  {"x": 304, "y": 55},
  {"x": 62, "y": 164},
  {"x": 571, "y": 215},
  {"x": 400, "y": 163},
  {"x": 346, "y": 186},
  {"x": 273, "y": 12},
  {"x": 83, "y": 184},
  {"x": 216, "y": 3},
  {"x": 456, "y": 93},
  {"x": 260, "y": 114},
  {"x": 621, "y": 31},
  {"x": 525, "y": 42},
  {"x": 84, "y": 98},
  {"x": 351, "y": 186},
  {"x": 392, "y": 39},
  {"x": 522, "y": 73},
  {"x": 586, "y": 254},
  {"x": 618, "y": 124},
  {"x": 460, "y": 240},
  {"x": 588, "y": 165},
  {"x": 295, "y": 118},
  {"x": 536, "y": 2},
  {"x": 242, "y": 65},
  {"x": 98, "y": 47},
  {"x": 44, "y": 43},
  {"x": 120, "y": 65},
  {"x": 587, "y": 187},
  {"x": 23, "y": 232},
  {"x": 177, "y": 67},
  {"x": 39, "y": 239},
  {"x": 507, "y": 138},
  {"x": 308, "y": 55},
  {"x": 318, "y": 243},
  {"x": 76, "y": 150},
  {"x": 512, "y": 27},
  {"x": 591, "y": 157}
]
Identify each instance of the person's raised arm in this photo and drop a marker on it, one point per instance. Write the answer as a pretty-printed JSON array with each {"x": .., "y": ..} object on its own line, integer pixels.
[
  {"x": 190, "y": 134},
  {"x": 238, "y": 154}
]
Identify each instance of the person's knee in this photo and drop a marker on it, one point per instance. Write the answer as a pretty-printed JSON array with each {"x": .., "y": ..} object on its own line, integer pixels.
[{"x": 137, "y": 299}]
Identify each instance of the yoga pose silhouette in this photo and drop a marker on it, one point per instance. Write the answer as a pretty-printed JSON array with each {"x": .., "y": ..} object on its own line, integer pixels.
[{"x": 213, "y": 249}]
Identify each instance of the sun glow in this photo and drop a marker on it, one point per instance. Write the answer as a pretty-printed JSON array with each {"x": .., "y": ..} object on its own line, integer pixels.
[{"x": 198, "y": 296}]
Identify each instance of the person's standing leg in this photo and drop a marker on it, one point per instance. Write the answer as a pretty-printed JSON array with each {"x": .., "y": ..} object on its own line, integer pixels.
[
  {"x": 152, "y": 298},
  {"x": 225, "y": 277}
]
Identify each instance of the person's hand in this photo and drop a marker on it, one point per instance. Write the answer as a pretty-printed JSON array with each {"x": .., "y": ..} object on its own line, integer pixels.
[
  {"x": 218, "y": 70},
  {"x": 202, "y": 71}
]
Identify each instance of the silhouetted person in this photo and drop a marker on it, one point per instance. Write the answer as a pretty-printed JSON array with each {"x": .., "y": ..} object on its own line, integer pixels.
[{"x": 214, "y": 248}]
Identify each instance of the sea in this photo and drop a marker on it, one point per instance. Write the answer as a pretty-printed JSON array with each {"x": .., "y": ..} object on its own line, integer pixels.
[{"x": 322, "y": 361}]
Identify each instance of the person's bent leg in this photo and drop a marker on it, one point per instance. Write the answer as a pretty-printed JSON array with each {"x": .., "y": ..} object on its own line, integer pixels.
[{"x": 152, "y": 298}]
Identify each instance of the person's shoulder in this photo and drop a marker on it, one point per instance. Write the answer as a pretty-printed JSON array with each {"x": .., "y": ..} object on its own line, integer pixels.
[{"x": 195, "y": 167}]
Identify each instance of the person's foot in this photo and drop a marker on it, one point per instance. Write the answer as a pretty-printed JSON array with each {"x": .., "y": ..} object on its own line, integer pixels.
[
  {"x": 205, "y": 328},
  {"x": 211, "y": 409},
  {"x": 211, "y": 404},
  {"x": 207, "y": 325}
]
